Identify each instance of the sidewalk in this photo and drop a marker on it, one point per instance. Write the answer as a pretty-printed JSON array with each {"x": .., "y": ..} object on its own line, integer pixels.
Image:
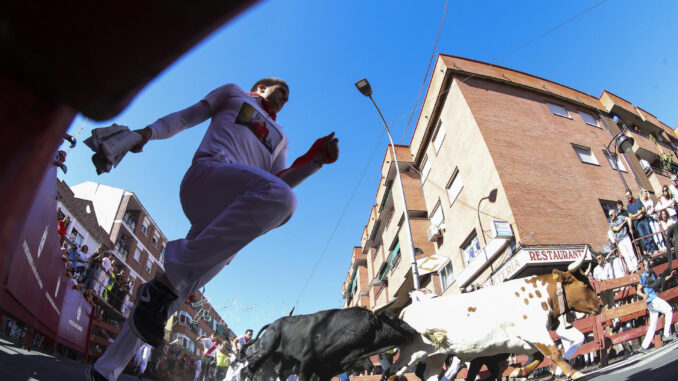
[{"x": 17, "y": 364}]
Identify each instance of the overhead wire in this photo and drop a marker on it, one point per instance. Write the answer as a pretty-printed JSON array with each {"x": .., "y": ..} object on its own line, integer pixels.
[
  {"x": 428, "y": 68},
  {"x": 352, "y": 196},
  {"x": 533, "y": 40}
]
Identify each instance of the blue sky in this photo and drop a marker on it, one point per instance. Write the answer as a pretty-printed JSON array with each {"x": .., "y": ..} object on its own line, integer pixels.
[{"x": 321, "y": 48}]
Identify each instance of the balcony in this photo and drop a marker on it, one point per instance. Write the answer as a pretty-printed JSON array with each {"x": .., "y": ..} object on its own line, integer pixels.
[
  {"x": 130, "y": 219},
  {"x": 660, "y": 140},
  {"x": 481, "y": 261},
  {"x": 122, "y": 249}
]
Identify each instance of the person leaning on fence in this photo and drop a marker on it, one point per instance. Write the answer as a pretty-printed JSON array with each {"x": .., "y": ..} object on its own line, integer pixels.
[
  {"x": 650, "y": 282},
  {"x": 638, "y": 215},
  {"x": 621, "y": 226},
  {"x": 652, "y": 218},
  {"x": 93, "y": 263}
]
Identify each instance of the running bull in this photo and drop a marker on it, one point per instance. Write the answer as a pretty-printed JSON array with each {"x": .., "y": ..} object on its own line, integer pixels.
[
  {"x": 327, "y": 342},
  {"x": 512, "y": 317}
]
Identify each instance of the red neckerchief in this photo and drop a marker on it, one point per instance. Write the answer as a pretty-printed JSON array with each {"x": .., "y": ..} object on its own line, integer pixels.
[
  {"x": 632, "y": 200},
  {"x": 264, "y": 103}
]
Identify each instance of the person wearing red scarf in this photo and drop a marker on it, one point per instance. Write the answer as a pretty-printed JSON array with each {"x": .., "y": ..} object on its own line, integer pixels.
[{"x": 237, "y": 188}]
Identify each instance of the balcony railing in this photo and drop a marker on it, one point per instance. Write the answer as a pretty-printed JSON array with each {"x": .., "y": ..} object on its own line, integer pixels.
[
  {"x": 130, "y": 220},
  {"x": 647, "y": 136}
]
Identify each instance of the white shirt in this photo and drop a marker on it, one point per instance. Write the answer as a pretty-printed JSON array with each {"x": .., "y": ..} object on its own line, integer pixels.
[
  {"x": 106, "y": 264},
  {"x": 667, "y": 204},
  {"x": 144, "y": 352},
  {"x": 229, "y": 136},
  {"x": 603, "y": 272},
  {"x": 667, "y": 224},
  {"x": 242, "y": 340},
  {"x": 649, "y": 206},
  {"x": 207, "y": 344}
]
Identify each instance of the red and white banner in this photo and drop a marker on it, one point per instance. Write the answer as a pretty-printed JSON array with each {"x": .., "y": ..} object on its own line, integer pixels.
[{"x": 536, "y": 256}]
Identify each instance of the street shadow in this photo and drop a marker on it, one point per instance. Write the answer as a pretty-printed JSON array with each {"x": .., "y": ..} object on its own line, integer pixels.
[{"x": 666, "y": 372}]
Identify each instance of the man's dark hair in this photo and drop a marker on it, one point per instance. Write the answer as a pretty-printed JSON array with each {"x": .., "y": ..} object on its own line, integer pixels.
[
  {"x": 270, "y": 81},
  {"x": 248, "y": 330}
]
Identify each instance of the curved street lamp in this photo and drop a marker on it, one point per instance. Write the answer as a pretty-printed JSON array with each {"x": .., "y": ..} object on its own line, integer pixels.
[
  {"x": 365, "y": 89},
  {"x": 624, "y": 144}
]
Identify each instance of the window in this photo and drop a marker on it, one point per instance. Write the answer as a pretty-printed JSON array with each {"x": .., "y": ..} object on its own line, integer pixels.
[
  {"x": 77, "y": 237},
  {"x": 425, "y": 169},
  {"x": 184, "y": 341},
  {"x": 394, "y": 257},
  {"x": 162, "y": 253},
  {"x": 470, "y": 248},
  {"x": 185, "y": 318},
  {"x": 156, "y": 238},
  {"x": 137, "y": 255},
  {"x": 607, "y": 206},
  {"x": 149, "y": 266},
  {"x": 454, "y": 186},
  {"x": 439, "y": 137},
  {"x": 447, "y": 275},
  {"x": 615, "y": 161},
  {"x": 589, "y": 119},
  {"x": 558, "y": 110},
  {"x": 144, "y": 226},
  {"x": 585, "y": 154},
  {"x": 437, "y": 216}
]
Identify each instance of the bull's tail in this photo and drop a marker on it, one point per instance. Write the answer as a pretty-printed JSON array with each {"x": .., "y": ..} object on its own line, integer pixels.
[{"x": 243, "y": 349}]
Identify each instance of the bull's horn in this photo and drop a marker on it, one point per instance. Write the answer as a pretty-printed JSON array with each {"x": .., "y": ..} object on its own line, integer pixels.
[
  {"x": 576, "y": 264},
  {"x": 588, "y": 270}
]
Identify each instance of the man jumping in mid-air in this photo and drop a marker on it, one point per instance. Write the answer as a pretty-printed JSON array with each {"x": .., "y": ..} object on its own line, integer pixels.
[{"x": 236, "y": 189}]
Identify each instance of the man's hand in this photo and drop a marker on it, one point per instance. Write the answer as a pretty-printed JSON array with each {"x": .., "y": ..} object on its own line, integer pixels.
[
  {"x": 329, "y": 151},
  {"x": 145, "y": 135}
]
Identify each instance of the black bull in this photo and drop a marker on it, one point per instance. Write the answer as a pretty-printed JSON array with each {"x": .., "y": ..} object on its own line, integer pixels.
[{"x": 326, "y": 343}]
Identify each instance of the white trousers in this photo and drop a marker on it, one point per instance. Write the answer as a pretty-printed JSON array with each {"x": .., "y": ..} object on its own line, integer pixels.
[
  {"x": 655, "y": 228},
  {"x": 629, "y": 255},
  {"x": 228, "y": 205},
  {"x": 572, "y": 339},
  {"x": 655, "y": 307}
]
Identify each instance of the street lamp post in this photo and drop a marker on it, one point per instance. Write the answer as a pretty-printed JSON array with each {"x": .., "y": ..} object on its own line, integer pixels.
[
  {"x": 365, "y": 89},
  {"x": 623, "y": 143},
  {"x": 492, "y": 197}
]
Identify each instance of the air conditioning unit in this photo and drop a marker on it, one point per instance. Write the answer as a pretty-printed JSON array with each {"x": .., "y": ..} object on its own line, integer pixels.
[{"x": 433, "y": 233}]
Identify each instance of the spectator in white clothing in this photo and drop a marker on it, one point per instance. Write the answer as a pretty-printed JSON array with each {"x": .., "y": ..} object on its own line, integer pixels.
[
  {"x": 620, "y": 226},
  {"x": 665, "y": 221},
  {"x": 652, "y": 217},
  {"x": 604, "y": 272},
  {"x": 673, "y": 187},
  {"x": 238, "y": 342},
  {"x": 104, "y": 274},
  {"x": 208, "y": 361},
  {"x": 666, "y": 202}
]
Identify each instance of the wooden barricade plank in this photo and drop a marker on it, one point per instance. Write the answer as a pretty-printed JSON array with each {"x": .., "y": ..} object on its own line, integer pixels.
[
  {"x": 107, "y": 326},
  {"x": 618, "y": 282}
]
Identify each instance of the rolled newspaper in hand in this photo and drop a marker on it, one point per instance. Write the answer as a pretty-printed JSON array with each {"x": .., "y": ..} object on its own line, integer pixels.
[{"x": 110, "y": 144}]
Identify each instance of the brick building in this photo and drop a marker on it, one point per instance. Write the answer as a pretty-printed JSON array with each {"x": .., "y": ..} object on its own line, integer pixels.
[
  {"x": 138, "y": 241},
  {"x": 198, "y": 318},
  {"x": 139, "y": 245},
  {"x": 513, "y": 175},
  {"x": 84, "y": 227}
]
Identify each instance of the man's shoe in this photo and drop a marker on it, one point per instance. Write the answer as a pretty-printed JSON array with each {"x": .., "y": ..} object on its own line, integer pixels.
[
  {"x": 643, "y": 351},
  {"x": 150, "y": 313},
  {"x": 94, "y": 375},
  {"x": 668, "y": 338}
]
